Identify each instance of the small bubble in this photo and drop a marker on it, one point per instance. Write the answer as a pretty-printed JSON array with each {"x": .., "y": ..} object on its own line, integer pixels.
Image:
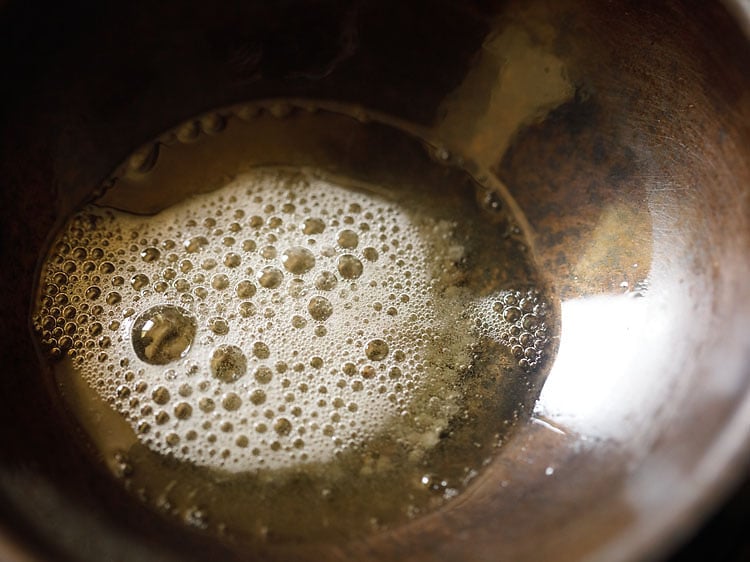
[
  {"x": 270, "y": 277},
  {"x": 206, "y": 405},
  {"x": 282, "y": 426},
  {"x": 160, "y": 395},
  {"x": 263, "y": 374},
  {"x": 528, "y": 302},
  {"x": 247, "y": 309},
  {"x": 138, "y": 281},
  {"x": 66, "y": 343},
  {"x": 320, "y": 308},
  {"x": 232, "y": 260},
  {"x": 218, "y": 326},
  {"x": 297, "y": 288},
  {"x": 258, "y": 397},
  {"x": 220, "y": 282},
  {"x": 261, "y": 350},
  {"x": 150, "y": 255},
  {"x": 268, "y": 252},
  {"x": 348, "y": 239},
  {"x": 511, "y": 314},
  {"x": 195, "y": 244},
  {"x": 313, "y": 226},
  {"x": 370, "y": 254},
  {"x": 529, "y": 322},
  {"x": 93, "y": 292},
  {"x": 325, "y": 281},
  {"x": 231, "y": 401},
  {"x": 228, "y": 363},
  {"x": 434, "y": 484},
  {"x": 349, "y": 266},
  {"x": 298, "y": 260},
  {"x": 245, "y": 289},
  {"x": 113, "y": 298}
]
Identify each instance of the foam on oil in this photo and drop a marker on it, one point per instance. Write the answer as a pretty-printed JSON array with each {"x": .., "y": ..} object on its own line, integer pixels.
[{"x": 293, "y": 338}]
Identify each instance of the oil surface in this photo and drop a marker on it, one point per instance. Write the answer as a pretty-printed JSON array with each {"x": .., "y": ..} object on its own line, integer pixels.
[{"x": 280, "y": 324}]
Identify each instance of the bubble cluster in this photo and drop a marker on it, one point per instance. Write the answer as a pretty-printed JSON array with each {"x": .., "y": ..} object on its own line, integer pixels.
[
  {"x": 278, "y": 320},
  {"x": 517, "y": 319},
  {"x": 281, "y": 319}
]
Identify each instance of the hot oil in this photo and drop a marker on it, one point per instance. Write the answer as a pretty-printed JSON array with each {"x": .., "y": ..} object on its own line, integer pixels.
[{"x": 289, "y": 322}]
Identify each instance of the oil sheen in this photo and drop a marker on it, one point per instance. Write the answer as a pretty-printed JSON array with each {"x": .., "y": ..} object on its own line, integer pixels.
[{"x": 284, "y": 347}]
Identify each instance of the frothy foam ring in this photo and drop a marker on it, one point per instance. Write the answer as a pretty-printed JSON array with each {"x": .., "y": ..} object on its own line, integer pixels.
[{"x": 278, "y": 320}]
